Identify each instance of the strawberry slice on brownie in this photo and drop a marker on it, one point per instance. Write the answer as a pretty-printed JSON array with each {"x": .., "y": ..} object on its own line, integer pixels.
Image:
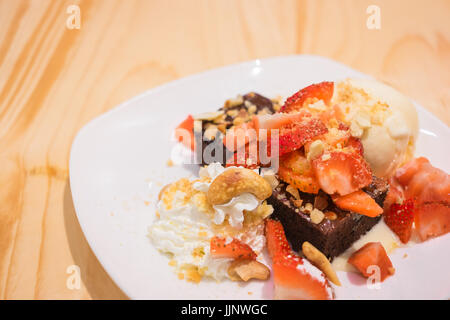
[
  {"x": 342, "y": 172},
  {"x": 320, "y": 91}
]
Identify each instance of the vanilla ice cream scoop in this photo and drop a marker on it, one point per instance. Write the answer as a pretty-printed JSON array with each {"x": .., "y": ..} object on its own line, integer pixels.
[{"x": 383, "y": 118}]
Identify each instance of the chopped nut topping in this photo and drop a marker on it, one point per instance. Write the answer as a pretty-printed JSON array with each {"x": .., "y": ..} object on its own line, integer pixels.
[
  {"x": 197, "y": 126},
  {"x": 264, "y": 210},
  {"x": 222, "y": 128},
  {"x": 280, "y": 196},
  {"x": 210, "y": 132},
  {"x": 264, "y": 111},
  {"x": 278, "y": 99},
  {"x": 244, "y": 270},
  {"x": 169, "y": 163},
  {"x": 208, "y": 115},
  {"x": 248, "y": 104},
  {"x": 320, "y": 202},
  {"x": 172, "y": 263},
  {"x": 316, "y": 148},
  {"x": 356, "y": 130},
  {"x": 243, "y": 113},
  {"x": 330, "y": 215},
  {"x": 220, "y": 119},
  {"x": 234, "y": 102},
  {"x": 232, "y": 113},
  {"x": 363, "y": 119},
  {"x": 308, "y": 207},
  {"x": 238, "y": 121},
  {"x": 316, "y": 216},
  {"x": 318, "y": 105},
  {"x": 333, "y": 123},
  {"x": 294, "y": 191},
  {"x": 272, "y": 180},
  {"x": 298, "y": 203}
]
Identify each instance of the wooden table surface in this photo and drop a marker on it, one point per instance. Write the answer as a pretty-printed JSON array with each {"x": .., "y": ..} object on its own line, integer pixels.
[{"x": 53, "y": 80}]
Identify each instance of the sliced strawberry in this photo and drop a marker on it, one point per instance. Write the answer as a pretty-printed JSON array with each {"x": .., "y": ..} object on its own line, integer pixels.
[
  {"x": 294, "y": 136},
  {"x": 400, "y": 218},
  {"x": 423, "y": 182},
  {"x": 279, "y": 120},
  {"x": 247, "y": 157},
  {"x": 304, "y": 183},
  {"x": 320, "y": 91},
  {"x": 395, "y": 194},
  {"x": 277, "y": 244},
  {"x": 359, "y": 202},
  {"x": 429, "y": 184},
  {"x": 238, "y": 136},
  {"x": 372, "y": 254},
  {"x": 341, "y": 172},
  {"x": 432, "y": 220},
  {"x": 430, "y": 189},
  {"x": 296, "y": 170},
  {"x": 337, "y": 138},
  {"x": 340, "y": 138},
  {"x": 331, "y": 113},
  {"x": 405, "y": 174},
  {"x": 294, "y": 277},
  {"x": 294, "y": 130},
  {"x": 293, "y": 280},
  {"x": 235, "y": 249},
  {"x": 356, "y": 145},
  {"x": 184, "y": 132}
]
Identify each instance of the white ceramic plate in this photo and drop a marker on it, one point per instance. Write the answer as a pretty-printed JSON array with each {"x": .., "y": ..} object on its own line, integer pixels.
[{"x": 118, "y": 165}]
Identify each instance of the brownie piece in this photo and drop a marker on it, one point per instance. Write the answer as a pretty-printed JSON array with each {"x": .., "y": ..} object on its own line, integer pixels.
[
  {"x": 337, "y": 231},
  {"x": 235, "y": 112}
]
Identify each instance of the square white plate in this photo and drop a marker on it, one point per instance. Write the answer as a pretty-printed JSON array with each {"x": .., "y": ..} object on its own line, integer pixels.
[{"x": 118, "y": 165}]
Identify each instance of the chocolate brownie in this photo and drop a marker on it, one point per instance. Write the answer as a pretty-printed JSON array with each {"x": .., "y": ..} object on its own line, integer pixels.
[
  {"x": 336, "y": 232},
  {"x": 234, "y": 112}
]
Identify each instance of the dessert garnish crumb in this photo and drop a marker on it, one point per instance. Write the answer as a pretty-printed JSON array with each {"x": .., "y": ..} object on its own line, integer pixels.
[{"x": 169, "y": 163}]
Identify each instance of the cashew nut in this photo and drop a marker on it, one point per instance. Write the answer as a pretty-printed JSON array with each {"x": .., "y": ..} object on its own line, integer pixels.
[
  {"x": 245, "y": 269},
  {"x": 236, "y": 181},
  {"x": 318, "y": 259}
]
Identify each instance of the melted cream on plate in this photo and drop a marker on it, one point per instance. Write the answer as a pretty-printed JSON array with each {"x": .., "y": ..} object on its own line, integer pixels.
[{"x": 379, "y": 233}]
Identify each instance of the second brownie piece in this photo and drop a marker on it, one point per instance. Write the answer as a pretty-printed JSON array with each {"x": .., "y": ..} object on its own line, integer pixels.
[{"x": 235, "y": 112}]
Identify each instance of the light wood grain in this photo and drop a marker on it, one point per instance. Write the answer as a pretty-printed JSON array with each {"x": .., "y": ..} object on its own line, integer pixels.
[{"x": 54, "y": 80}]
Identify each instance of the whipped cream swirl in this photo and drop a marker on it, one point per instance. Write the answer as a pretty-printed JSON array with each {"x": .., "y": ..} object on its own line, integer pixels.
[{"x": 234, "y": 209}]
